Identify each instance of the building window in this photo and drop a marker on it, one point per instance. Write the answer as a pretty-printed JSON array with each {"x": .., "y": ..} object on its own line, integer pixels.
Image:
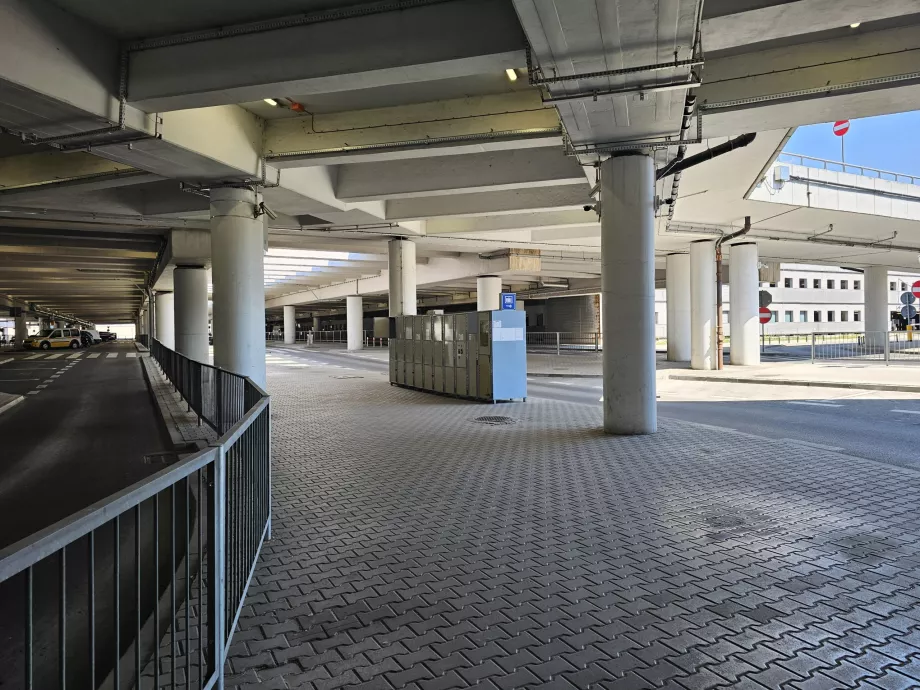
[
  {"x": 903, "y": 287},
  {"x": 830, "y": 285},
  {"x": 857, "y": 285},
  {"x": 803, "y": 316},
  {"x": 725, "y": 316},
  {"x": 788, "y": 317},
  {"x": 844, "y": 284},
  {"x": 817, "y": 317},
  {"x": 787, "y": 282},
  {"x": 816, "y": 283},
  {"x": 857, "y": 316},
  {"x": 772, "y": 284},
  {"x": 891, "y": 286},
  {"x": 830, "y": 316},
  {"x": 803, "y": 283},
  {"x": 844, "y": 316}
]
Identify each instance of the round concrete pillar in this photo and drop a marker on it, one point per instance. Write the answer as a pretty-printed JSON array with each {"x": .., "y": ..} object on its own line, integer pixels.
[
  {"x": 190, "y": 285},
  {"x": 744, "y": 317},
  {"x": 677, "y": 282},
  {"x": 702, "y": 304},
  {"x": 165, "y": 327},
  {"x": 354, "y": 317},
  {"x": 628, "y": 290},
  {"x": 878, "y": 317},
  {"x": 290, "y": 325},
  {"x": 402, "y": 278},
  {"x": 488, "y": 293},
  {"x": 237, "y": 243}
]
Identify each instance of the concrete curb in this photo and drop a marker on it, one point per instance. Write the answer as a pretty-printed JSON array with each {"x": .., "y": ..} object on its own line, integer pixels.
[
  {"x": 891, "y": 387},
  {"x": 11, "y": 403}
]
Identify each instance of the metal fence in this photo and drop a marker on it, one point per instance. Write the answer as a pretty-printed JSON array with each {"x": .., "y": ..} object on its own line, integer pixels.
[
  {"x": 144, "y": 588},
  {"x": 329, "y": 337},
  {"x": 564, "y": 343},
  {"x": 872, "y": 346},
  {"x": 838, "y": 166}
]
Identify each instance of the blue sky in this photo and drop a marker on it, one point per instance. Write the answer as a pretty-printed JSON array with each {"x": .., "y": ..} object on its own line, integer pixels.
[{"x": 888, "y": 142}]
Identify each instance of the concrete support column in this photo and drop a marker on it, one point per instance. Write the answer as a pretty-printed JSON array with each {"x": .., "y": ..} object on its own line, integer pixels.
[
  {"x": 702, "y": 304},
  {"x": 354, "y": 318},
  {"x": 190, "y": 286},
  {"x": 237, "y": 245},
  {"x": 402, "y": 278},
  {"x": 165, "y": 327},
  {"x": 488, "y": 293},
  {"x": 628, "y": 290},
  {"x": 290, "y": 325},
  {"x": 878, "y": 318},
  {"x": 677, "y": 277},
  {"x": 21, "y": 330},
  {"x": 316, "y": 323},
  {"x": 744, "y": 317}
]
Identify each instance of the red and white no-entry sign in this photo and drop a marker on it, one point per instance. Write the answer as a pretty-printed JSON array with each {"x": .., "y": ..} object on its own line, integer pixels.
[
  {"x": 915, "y": 288},
  {"x": 765, "y": 315},
  {"x": 841, "y": 127}
]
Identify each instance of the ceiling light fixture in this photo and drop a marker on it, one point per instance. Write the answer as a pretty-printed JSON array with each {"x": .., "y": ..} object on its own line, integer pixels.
[
  {"x": 854, "y": 25},
  {"x": 512, "y": 74},
  {"x": 271, "y": 101}
]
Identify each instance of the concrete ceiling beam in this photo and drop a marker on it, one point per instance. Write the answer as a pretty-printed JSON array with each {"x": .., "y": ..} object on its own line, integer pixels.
[
  {"x": 513, "y": 201},
  {"x": 494, "y": 171},
  {"x": 422, "y": 43}
]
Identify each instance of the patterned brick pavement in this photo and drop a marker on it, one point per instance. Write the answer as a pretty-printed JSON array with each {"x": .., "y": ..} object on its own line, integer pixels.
[{"x": 416, "y": 548}]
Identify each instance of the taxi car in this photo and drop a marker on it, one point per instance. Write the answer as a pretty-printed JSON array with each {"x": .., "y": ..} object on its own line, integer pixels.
[{"x": 54, "y": 338}]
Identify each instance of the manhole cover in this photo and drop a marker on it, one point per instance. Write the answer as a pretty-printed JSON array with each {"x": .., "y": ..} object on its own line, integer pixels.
[
  {"x": 494, "y": 420},
  {"x": 348, "y": 377}
]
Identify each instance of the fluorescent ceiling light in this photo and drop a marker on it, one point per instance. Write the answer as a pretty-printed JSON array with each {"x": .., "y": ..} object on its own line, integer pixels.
[
  {"x": 854, "y": 25},
  {"x": 512, "y": 74},
  {"x": 271, "y": 101},
  {"x": 307, "y": 253}
]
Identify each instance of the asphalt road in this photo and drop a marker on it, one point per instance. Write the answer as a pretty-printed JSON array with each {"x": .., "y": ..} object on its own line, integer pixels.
[
  {"x": 80, "y": 434},
  {"x": 868, "y": 424}
]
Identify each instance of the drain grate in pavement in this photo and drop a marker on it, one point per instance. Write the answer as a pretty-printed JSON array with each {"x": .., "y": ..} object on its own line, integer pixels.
[{"x": 494, "y": 420}]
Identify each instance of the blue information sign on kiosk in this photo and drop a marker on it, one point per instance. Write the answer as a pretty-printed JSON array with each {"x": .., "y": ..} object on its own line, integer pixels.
[{"x": 509, "y": 300}]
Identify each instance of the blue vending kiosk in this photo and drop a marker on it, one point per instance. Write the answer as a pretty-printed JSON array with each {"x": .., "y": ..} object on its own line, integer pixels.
[{"x": 502, "y": 362}]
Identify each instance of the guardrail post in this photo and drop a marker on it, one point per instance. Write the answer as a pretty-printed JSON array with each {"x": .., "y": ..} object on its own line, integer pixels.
[
  {"x": 887, "y": 348},
  {"x": 557, "y": 343},
  {"x": 217, "y": 571},
  {"x": 812, "y": 348},
  {"x": 597, "y": 337},
  {"x": 220, "y": 402}
]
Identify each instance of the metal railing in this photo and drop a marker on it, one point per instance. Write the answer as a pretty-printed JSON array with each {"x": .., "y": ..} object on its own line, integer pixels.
[
  {"x": 872, "y": 346},
  {"x": 332, "y": 337},
  {"x": 564, "y": 343},
  {"x": 144, "y": 588},
  {"x": 838, "y": 166},
  {"x": 143, "y": 339}
]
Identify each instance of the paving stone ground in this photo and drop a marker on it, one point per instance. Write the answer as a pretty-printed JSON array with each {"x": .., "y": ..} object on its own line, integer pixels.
[{"x": 414, "y": 547}]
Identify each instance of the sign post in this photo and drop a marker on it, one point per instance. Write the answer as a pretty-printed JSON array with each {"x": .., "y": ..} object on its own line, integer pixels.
[
  {"x": 765, "y": 316},
  {"x": 841, "y": 127}
]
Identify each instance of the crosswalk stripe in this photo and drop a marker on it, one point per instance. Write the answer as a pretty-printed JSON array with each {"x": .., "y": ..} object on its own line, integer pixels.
[
  {"x": 75, "y": 355},
  {"x": 4, "y": 361},
  {"x": 55, "y": 356},
  {"x": 130, "y": 354},
  {"x": 34, "y": 356},
  {"x": 93, "y": 355},
  {"x": 111, "y": 355}
]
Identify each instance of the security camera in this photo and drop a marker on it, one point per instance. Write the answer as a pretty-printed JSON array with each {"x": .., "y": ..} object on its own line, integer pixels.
[
  {"x": 588, "y": 207},
  {"x": 263, "y": 209}
]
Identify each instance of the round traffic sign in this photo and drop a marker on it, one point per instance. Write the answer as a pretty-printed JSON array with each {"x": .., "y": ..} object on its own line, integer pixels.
[
  {"x": 841, "y": 127},
  {"x": 915, "y": 288},
  {"x": 765, "y": 315},
  {"x": 908, "y": 298},
  {"x": 908, "y": 311}
]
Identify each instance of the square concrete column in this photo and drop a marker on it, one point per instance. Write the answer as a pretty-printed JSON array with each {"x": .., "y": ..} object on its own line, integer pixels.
[
  {"x": 190, "y": 290},
  {"x": 677, "y": 279},
  {"x": 21, "y": 330},
  {"x": 354, "y": 318},
  {"x": 488, "y": 293},
  {"x": 744, "y": 318},
  {"x": 165, "y": 326},
  {"x": 702, "y": 304},
  {"x": 628, "y": 289},
  {"x": 402, "y": 278},
  {"x": 237, "y": 247},
  {"x": 290, "y": 325},
  {"x": 878, "y": 317}
]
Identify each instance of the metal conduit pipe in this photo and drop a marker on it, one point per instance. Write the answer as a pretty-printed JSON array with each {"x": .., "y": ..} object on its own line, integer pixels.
[
  {"x": 726, "y": 147},
  {"x": 856, "y": 244},
  {"x": 720, "y": 338}
]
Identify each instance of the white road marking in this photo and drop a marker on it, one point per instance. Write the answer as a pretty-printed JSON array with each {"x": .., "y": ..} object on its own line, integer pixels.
[
  {"x": 48, "y": 381},
  {"x": 815, "y": 404},
  {"x": 32, "y": 393},
  {"x": 93, "y": 355},
  {"x": 809, "y": 444},
  {"x": 6, "y": 380},
  {"x": 75, "y": 355},
  {"x": 907, "y": 411},
  {"x": 40, "y": 386},
  {"x": 131, "y": 354},
  {"x": 4, "y": 361},
  {"x": 33, "y": 356},
  {"x": 714, "y": 427},
  {"x": 55, "y": 356},
  {"x": 111, "y": 355}
]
